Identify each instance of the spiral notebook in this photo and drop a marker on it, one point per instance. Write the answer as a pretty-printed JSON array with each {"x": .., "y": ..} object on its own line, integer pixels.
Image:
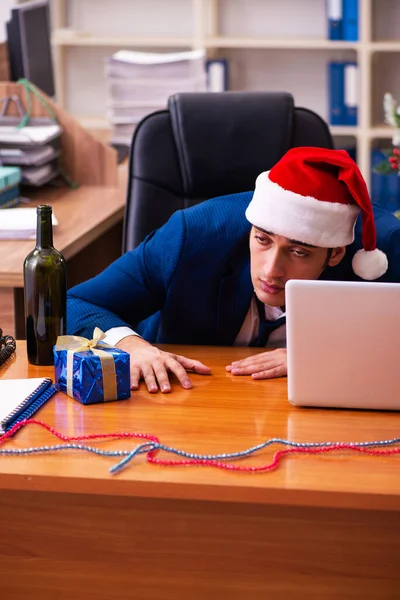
[{"x": 21, "y": 398}]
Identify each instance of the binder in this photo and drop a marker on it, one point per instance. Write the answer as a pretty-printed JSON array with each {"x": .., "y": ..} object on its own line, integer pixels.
[
  {"x": 336, "y": 93},
  {"x": 335, "y": 19},
  {"x": 377, "y": 179},
  {"x": 350, "y": 93},
  {"x": 385, "y": 189},
  {"x": 391, "y": 200},
  {"x": 350, "y": 20},
  {"x": 217, "y": 75},
  {"x": 351, "y": 151},
  {"x": 21, "y": 398}
]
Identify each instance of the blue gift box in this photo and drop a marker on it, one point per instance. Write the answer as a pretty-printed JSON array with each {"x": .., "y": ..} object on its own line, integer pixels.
[{"x": 87, "y": 374}]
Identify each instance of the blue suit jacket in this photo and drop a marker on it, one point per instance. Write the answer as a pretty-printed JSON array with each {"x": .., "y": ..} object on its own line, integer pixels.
[{"x": 189, "y": 281}]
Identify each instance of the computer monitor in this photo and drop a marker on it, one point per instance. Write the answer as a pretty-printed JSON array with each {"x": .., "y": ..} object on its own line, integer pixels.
[{"x": 29, "y": 46}]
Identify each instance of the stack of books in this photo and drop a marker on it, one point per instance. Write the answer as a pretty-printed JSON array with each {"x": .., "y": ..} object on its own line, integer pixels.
[
  {"x": 139, "y": 83},
  {"x": 10, "y": 179}
]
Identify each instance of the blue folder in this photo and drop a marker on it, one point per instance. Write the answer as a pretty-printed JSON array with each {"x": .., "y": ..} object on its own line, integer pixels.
[
  {"x": 334, "y": 11},
  {"x": 350, "y": 20},
  {"x": 336, "y": 93},
  {"x": 385, "y": 189}
]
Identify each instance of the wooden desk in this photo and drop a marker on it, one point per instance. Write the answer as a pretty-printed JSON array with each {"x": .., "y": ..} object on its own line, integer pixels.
[
  {"x": 89, "y": 235},
  {"x": 318, "y": 527}
]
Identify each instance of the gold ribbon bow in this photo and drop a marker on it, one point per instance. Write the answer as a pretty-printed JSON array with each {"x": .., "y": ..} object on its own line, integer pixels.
[{"x": 76, "y": 343}]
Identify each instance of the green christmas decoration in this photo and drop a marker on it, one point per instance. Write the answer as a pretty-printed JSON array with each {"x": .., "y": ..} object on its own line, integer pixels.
[{"x": 391, "y": 164}]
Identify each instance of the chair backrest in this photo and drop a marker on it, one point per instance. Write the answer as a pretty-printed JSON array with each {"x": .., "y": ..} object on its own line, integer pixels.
[{"x": 206, "y": 145}]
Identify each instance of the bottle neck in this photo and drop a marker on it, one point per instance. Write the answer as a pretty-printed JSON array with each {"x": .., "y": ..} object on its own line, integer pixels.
[{"x": 44, "y": 230}]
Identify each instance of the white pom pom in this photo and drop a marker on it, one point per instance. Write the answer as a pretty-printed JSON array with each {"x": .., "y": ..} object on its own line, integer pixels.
[{"x": 370, "y": 264}]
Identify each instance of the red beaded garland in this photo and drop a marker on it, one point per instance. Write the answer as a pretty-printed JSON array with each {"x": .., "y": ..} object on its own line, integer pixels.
[{"x": 204, "y": 462}]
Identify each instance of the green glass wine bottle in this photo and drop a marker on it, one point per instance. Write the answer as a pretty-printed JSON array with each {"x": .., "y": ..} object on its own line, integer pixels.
[{"x": 45, "y": 291}]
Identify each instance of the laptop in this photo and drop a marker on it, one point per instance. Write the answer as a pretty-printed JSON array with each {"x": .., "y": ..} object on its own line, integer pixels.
[{"x": 343, "y": 344}]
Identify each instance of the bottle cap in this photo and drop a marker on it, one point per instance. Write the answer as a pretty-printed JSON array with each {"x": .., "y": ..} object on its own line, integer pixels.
[{"x": 43, "y": 208}]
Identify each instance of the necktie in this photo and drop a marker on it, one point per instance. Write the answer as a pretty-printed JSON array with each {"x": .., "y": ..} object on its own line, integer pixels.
[{"x": 266, "y": 327}]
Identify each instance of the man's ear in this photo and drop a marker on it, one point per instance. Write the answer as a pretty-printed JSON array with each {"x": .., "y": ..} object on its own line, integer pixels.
[{"x": 336, "y": 256}]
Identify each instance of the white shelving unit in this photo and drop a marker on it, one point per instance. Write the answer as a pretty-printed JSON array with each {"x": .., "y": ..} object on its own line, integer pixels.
[{"x": 270, "y": 45}]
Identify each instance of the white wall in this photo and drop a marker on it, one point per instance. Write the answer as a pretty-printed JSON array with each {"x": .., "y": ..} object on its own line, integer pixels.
[
  {"x": 5, "y": 8},
  {"x": 295, "y": 72},
  {"x": 86, "y": 93},
  {"x": 301, "y": 72},
  {"x": 131, "y": 17}
]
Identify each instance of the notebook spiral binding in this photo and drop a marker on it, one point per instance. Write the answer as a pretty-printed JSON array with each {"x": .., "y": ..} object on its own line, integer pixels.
[
  {"x": 27, "y": 413},
  {"x": 7, "y": 347}
]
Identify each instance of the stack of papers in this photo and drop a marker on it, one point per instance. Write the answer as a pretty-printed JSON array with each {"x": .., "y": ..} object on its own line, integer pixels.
[
  {"x": 39, "y": 175},
  {"x": 36, "y": 156},
  {"x": 33, "y": 148},
  {"x": 37, "y": 165},
  {"x": 28, "y": 136},
  {"x": 19, "y": 223},
  {"x": 139, "y": 83}
]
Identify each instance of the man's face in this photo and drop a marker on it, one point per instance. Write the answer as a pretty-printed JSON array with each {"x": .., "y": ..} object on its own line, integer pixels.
[{"x": 275, "y": 259}]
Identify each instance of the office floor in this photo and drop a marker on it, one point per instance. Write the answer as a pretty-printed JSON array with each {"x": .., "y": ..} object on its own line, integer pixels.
[{"x": 6, "y": 311}]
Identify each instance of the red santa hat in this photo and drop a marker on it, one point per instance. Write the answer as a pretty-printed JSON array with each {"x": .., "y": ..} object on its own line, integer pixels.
[{"x": 314, "y": 195}]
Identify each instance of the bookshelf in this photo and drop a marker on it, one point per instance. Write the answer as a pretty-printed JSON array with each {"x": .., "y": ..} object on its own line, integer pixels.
[{"x": 270, "y": 45}]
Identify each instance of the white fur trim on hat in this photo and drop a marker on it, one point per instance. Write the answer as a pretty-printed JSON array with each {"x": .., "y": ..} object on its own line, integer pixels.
[
  {"x": 370, "y": 264},
  {"x": 301, "y": 218}
]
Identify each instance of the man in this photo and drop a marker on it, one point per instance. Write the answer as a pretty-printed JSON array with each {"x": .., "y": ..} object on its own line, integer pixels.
[{"x": 199, "y": 279}]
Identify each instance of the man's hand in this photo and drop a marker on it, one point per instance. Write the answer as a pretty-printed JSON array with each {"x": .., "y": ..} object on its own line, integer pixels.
[
  {"x": 152, "y": 365},
  {"x": 266, "y": 365}
]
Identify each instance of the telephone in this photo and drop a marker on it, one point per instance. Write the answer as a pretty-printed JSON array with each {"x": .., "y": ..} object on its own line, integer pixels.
[{"x": 7, "y": 347}]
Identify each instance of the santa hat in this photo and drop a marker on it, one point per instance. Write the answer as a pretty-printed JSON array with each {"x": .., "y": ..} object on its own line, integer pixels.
[{"x": 314, "y": 195}]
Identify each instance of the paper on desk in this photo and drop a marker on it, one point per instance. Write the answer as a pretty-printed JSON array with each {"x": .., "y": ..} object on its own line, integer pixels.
[{"x": 19, "y": 223}]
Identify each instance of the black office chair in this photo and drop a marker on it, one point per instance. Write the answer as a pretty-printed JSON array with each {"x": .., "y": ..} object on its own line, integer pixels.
[{"x": 206, "y": 145}]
